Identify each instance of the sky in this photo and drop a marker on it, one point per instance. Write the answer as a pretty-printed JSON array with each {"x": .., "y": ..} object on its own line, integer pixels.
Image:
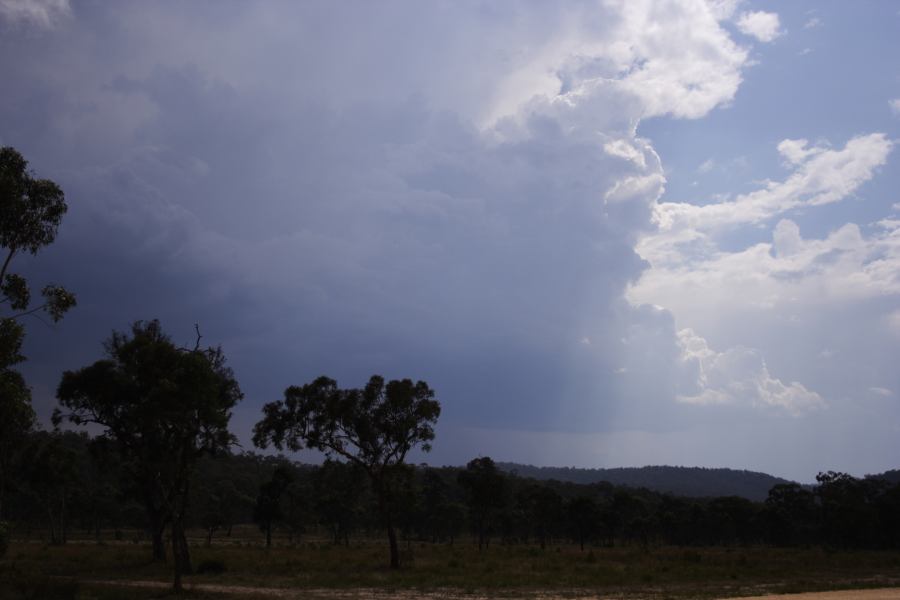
[{"x": 606, "y": 233}]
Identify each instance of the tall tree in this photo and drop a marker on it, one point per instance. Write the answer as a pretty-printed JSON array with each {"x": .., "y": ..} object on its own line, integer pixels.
[
  {"x": 163, "y": 407},
  {"x": 374, "y": 427},
  {"x": 30, "y": 213}
]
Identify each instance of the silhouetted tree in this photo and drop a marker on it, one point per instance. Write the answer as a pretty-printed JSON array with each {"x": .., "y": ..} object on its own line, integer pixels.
[
  {"x": 268, "y": 510},
  {"x": 163, "y": 407},
  {"x": 486, "y": 492},
  {"x": 339, "y": 491},
  {"x": 443, "y": 517},
  {"x": 374, "y": 427},
  {"x": 542, "y": 508},
  {"x": 30, "y": 213},
  {"x": 214, "y": 504},
  {"x": 790, "y": 515},
  {"x": 849, "y": 513},
  {"x": 53, "y": 473},
  {"x": 583, "y": 515}
]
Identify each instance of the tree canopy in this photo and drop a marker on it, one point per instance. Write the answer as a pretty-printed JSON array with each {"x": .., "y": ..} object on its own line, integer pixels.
[
  {"x": 374, "y": 427},
  {"x": 30, "y": 213},
  {"x": 163, "y": 407}
]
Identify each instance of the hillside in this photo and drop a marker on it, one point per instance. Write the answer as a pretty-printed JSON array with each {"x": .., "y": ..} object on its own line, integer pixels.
[
  {"x": 682, "y": 481},
  {"x": 892, "y": 476}
]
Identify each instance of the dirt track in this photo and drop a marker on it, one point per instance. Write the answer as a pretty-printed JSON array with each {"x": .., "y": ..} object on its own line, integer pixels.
[
  {"x": 879, "y": 594},
  {"x": 358, "y": 594}
]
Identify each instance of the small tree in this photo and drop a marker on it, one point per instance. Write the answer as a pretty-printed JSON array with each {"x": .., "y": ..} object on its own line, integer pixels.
[
  {"x": 52, "y": 476},
  {"x": 486, "y": 491},
  {"x": 163, "y": 407},
  {"x": 30, "y": 213},
  {"x": 374, "y": 427},
  {"x": 583, "y": 517},
  {"x": 339, "y": 489},
  {"x": 269, "y": 507}
]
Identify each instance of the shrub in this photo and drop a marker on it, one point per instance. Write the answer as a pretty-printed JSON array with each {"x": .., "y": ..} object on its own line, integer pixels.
[{"x": 213, "y": 567}]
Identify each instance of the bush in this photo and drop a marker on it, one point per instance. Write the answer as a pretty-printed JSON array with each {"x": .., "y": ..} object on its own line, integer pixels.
[{"x": 213, "y": 567}]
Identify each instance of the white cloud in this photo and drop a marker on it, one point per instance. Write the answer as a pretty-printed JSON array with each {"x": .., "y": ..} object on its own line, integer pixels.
[
  {"x": 706, "y": 166},
  {"x": 678, "y": 61},
  {"x": 739, "y": 376},
  {"x": 822, "y": 176},
  {"x": 881, "y": 391},
  {"x": 895, "y": 105},
  {"x": 843, "y": 268},
  {"x": 787, "y": 297},
  {"x": 41, "y": 13},
  {"x": 813, "y": 22},
  {"x": 764, "y": 26},
  {"x": 796, "y": 151}
]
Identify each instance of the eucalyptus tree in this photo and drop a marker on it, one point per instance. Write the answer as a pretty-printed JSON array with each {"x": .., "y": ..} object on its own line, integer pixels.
[
  {"x": 374, "y": 427},
  {"x": 31, "y": 210},
  {"x": 163, "y": 407}
]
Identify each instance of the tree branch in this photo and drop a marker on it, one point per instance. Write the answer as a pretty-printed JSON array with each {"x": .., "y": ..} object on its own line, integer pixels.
[{"x": 12, "y": 252}]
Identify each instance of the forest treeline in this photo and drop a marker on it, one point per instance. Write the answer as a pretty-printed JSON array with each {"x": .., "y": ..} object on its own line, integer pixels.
[
  {"x": 679, "y": 481},
  {"x": 73, "y": 484}
]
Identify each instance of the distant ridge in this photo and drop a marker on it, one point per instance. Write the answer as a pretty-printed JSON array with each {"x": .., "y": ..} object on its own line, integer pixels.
[
  {"x": 681, "y": 481},
  {"x": 892, "y": 476}
]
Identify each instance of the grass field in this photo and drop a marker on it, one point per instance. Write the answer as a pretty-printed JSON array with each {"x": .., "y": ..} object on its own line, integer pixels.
[{"x": 87, "y": 569}]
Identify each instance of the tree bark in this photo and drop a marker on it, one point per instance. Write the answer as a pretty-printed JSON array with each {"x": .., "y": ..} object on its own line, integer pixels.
[
  {"x": 159, "y": 546},
  {"x": 180, "y": 553},
  {"x": 395, "y": 551}
]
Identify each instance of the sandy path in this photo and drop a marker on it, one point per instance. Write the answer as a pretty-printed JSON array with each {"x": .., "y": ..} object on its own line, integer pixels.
[{"x": 877, "y": 594}]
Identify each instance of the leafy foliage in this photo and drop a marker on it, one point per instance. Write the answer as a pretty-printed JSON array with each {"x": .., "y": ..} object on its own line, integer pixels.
[
  {"x": 374, "y": 427},
  {"x": 162, "y": 407},
  {"x": 31, "y": 211}
]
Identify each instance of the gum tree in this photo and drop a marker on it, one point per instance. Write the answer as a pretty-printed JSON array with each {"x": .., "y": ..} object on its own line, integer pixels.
[
  {"x": 374, "y": 427},
  {"x": 161, "y": 407},
  {"x": 31, "y": 210}
]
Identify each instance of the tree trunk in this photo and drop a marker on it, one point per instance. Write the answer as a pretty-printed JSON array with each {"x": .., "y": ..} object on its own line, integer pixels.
[
  {"x": 268, "y": 535},
  {"x": 52, "y": 524},
  {"x": 395, "y": 551},
  {"x": 181, "y": 556},
  {"x": 384, "y": 503},
  {"x": 157, "y": 531},
  {"x": 63, "y": 520},
  {"x": 159, "y": 546}
]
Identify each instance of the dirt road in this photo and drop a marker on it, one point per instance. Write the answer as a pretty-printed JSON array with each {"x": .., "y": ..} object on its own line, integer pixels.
[{"x": 879, "y": 594}]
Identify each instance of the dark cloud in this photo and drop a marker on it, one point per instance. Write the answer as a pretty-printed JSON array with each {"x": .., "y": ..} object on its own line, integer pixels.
[{"x": 324, "y": 191}]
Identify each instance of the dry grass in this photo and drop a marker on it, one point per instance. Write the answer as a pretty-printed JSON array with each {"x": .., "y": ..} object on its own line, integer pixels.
[{"x": 245, "y": 569}]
